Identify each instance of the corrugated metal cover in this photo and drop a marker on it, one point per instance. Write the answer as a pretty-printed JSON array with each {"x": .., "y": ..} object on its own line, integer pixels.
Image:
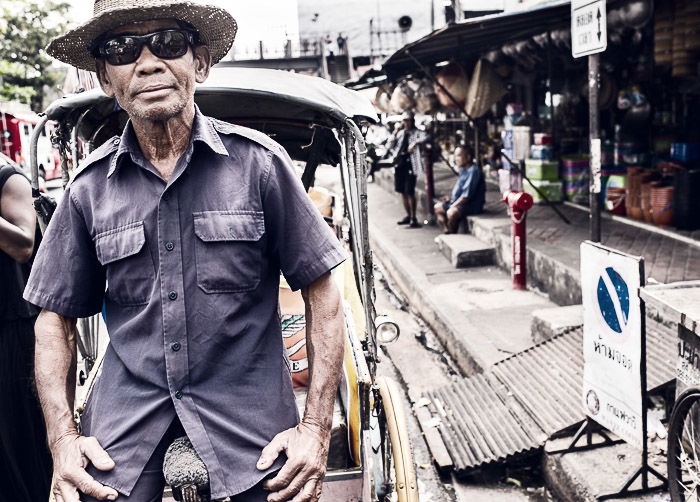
[{"x": 525, "y": 399}]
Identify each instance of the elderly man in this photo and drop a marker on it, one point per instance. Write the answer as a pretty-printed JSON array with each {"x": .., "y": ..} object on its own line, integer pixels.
[
  {"x": 468, "y": 194},
  {"x": 181, "y": 227}
]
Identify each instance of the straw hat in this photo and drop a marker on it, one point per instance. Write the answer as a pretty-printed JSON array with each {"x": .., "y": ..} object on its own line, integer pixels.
[{"x": 216, "y": 27}]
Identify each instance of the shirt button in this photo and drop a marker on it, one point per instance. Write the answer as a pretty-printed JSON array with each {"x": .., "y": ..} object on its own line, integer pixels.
[
  {"x": 117, "y": 141},
  {"x": 169, "y": 246},
  {"x": 172, "y": 295},
  {"x": 178, "y": 395},
  {"x": 176, "y": 346}
]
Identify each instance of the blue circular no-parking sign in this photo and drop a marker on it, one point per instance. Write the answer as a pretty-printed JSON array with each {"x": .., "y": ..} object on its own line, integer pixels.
[{"x": 614, "y": 300}]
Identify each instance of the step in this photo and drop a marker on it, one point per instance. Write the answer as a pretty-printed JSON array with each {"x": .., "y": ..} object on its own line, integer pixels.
[
  {"x": 550, "y": 322},
  {"x": 464, "y": 251}
]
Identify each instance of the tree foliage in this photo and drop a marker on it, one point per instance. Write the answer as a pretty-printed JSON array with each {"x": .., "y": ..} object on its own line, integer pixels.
[{"x": 26, "y": 28}]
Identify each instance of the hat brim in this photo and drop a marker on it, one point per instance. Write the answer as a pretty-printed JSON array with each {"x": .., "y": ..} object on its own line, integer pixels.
[{"x": 216, "y": 26}]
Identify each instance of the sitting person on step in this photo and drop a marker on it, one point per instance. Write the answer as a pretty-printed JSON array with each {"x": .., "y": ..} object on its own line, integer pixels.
[{"x": 468, "y": 195}]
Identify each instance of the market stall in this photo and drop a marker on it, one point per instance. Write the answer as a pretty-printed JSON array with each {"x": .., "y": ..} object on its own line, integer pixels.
[{"x": 509, "y": 82}]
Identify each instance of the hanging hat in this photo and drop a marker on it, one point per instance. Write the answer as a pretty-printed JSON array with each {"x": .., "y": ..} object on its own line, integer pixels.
[{"x": 216, "y": 27}]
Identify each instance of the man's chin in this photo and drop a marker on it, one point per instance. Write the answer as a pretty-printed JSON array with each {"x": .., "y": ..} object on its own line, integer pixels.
[{"x": 158, "y": 112}]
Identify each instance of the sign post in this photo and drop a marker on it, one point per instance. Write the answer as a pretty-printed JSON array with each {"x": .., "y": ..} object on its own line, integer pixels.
[
  {"x": 589, "y": 37},
  {"x": 614, "y": 352}
]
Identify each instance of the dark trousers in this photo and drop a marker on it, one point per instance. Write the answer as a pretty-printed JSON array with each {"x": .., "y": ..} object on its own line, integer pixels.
[{"x": 25, "y": 461}]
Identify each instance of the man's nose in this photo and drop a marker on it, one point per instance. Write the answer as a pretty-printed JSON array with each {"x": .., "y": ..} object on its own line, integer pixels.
[{"x": 149, "y": 63}]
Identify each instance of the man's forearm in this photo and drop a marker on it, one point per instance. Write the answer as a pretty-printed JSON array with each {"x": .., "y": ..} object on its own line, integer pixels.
[
  {"x": 55, "y": 367},
  {"x": 15, "y": 241},
  {"x": 325, "y": 348}
]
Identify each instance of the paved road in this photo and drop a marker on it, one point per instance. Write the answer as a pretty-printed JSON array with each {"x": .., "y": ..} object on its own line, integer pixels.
[{"x": 418, "y": 362}]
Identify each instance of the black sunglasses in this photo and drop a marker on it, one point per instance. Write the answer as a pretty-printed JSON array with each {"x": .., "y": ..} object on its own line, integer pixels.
[{"x": 125, "y": 49}]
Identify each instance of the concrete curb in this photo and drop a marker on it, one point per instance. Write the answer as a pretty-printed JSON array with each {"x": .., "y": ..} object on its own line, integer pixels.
[{"x": 411, "y": 282}]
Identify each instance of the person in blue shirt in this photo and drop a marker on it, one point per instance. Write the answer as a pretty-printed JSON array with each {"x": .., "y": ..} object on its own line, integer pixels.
[{"x": 468, "y": 195}]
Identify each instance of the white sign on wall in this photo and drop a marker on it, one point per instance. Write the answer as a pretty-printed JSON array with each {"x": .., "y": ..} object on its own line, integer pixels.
[
  {"x": 612, "y": 340},
  {"x": 589, "y": 33}
]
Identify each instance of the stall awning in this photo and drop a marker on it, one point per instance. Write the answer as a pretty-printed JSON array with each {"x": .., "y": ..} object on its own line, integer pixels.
[{"x": 478, "y": 35}]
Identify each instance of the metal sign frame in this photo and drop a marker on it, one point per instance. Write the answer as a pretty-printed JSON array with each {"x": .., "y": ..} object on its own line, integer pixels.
[{"x": 590, "y": 425}]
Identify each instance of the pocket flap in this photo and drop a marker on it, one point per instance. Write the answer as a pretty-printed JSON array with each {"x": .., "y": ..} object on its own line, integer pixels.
[
  {"x": 214, "y": 226},
  {"x": 119, "y": 243}
]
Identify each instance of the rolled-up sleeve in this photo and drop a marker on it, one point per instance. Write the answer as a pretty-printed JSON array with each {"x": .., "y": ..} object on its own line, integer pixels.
[
  {"x": 297, "y": 234},
  {"x": 66, "y": 276}
]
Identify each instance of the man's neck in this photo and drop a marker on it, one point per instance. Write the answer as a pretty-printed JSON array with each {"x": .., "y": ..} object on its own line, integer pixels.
[{"x": 164, "y": 142}]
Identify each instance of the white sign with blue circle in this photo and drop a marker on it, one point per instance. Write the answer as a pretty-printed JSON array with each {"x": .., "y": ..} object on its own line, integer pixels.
[{"x": 612, "y": 340}]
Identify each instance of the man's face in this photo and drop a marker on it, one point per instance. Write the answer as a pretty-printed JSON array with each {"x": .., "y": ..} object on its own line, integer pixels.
[
  {"x": 462, "y": 158},
  {"x": 151, "y": 88}
]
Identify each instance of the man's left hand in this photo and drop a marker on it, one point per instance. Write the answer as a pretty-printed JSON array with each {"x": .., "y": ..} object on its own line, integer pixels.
[{"x": 301, "y": 477}]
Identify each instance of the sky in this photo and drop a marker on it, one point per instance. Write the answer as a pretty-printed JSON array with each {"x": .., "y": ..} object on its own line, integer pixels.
[{"x": 268, "y": 20}]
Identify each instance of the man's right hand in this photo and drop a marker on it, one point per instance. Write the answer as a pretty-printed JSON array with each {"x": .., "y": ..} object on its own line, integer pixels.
[{"x": 71, "y": 455}]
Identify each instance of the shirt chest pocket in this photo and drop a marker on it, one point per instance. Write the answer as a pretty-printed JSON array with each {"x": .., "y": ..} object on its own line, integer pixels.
[
  {"x": 228, "y": 251},
  {"x": 130, "y": 272}
]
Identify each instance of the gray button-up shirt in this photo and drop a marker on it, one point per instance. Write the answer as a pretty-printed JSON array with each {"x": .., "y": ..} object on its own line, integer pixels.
[{"x": 188, "y": 272}]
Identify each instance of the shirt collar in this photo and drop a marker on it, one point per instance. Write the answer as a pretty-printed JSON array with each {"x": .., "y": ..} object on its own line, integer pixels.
[{"x": 202, "y": 132}]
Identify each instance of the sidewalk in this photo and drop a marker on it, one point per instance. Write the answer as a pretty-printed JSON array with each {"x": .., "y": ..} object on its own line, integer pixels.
[
  {"x": 474, "y": 311},
  {"x": 553, "y": 246}
]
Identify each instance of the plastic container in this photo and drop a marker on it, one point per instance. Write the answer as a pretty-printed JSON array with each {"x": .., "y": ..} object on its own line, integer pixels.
[
  {"x": 541, "y": 152},
  {"x": 542, "y": 170},
  {"x": 685, "y": 152},
  {"x": 551, "y": 189},
  {"x": 541, "y": 138}
]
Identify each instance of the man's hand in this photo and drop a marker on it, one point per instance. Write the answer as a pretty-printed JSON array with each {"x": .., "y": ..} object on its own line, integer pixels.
[
  {"x": 71, "y": 455},
  {"x": 301, "y": 477},
  {"x": 411, "y": 147},
  {"x": 459, "y": 202}
]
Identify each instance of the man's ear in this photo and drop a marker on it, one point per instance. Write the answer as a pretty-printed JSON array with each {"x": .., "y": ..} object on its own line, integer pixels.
[
  {"x": 103, "y": 78},
  {"x": 202, "y": 63}
]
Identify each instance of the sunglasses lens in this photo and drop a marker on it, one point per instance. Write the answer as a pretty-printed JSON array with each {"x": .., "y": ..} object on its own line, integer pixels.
[
  {"x": 169, "y": 44},
  {"x": 122, "y": 50}
]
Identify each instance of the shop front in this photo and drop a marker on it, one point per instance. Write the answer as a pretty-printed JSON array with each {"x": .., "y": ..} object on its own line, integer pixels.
[{"x": 508, "y": 83}]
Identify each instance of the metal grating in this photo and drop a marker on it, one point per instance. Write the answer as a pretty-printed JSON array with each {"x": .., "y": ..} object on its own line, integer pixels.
[{"x": 514, "y": 408}]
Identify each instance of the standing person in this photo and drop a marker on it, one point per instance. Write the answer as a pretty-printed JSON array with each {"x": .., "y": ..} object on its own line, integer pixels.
[
  {"x": 25, "y": 462},
  {"x": 188, "y": 221},
  {"x": 408, "y": 165},
  {"x": 468, "y": 195}
]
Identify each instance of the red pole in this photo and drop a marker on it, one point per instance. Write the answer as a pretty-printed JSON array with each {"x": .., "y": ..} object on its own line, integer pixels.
[
  {"x": 519, "y": 243},
  {"x": 518, "y": 203}
]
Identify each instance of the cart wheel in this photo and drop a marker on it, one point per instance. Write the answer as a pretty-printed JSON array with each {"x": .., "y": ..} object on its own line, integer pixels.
[
  {"x": 684, "y": 447},
  {"x": 398, "y": 470}
]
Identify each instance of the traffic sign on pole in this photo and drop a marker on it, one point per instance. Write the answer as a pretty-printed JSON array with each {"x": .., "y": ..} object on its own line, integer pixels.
[{"x": 589, "y": 34}]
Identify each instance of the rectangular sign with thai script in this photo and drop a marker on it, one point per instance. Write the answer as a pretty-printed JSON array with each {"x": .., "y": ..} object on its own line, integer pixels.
[
  {"x": 589, "y": 33},
  {"x": 613, "y": 340}
]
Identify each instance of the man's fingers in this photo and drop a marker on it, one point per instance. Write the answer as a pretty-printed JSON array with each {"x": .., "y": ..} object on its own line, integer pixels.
[
  {"x": 65, "y": 492},
  {"x": 311, "y": 491},
  {"x": 87, "y": 485},
  {"x": 271, "y": 452},
  {"x": 291, "y": 488},
  {"x": 90, "y": 447},
  {"x": 284, "y": 477}
]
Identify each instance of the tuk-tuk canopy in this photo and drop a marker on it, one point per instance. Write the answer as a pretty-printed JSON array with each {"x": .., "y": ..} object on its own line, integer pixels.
[
  {"x": 278, "y": 95},
  {"x": 289, "y": 107}
]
